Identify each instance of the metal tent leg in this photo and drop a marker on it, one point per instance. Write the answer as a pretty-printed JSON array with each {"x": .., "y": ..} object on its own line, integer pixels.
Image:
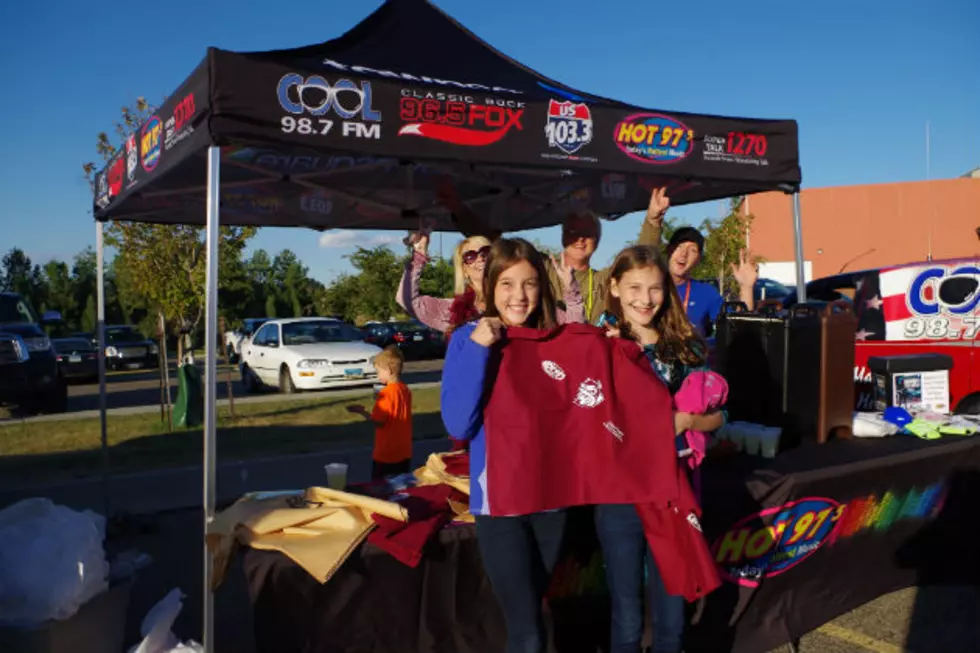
[
  {"x": 100, "y": 335},
  {"x": 210, "y": 379},
  {"x": 798, "y": 239}
]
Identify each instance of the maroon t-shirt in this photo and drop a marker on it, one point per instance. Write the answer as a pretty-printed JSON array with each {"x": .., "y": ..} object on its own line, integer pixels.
[{"x": 576, "y": 418}]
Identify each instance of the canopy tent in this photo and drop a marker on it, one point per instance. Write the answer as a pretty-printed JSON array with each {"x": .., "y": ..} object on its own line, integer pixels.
[{"x": 360, "y": 131}]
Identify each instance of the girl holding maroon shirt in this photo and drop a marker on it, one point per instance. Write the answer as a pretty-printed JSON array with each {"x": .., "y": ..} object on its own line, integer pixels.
[
  {"x": 519, "y": 552},
  {"x": 642, "y": 304}
]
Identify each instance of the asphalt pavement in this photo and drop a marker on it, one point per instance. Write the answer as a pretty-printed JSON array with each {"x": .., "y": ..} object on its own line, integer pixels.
[{"x": 136, "y": 392}]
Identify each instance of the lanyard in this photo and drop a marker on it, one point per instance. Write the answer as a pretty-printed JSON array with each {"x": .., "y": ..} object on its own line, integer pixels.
[
  {"x": 687, "y": 295},
  {"x": 588, "y": 299}
]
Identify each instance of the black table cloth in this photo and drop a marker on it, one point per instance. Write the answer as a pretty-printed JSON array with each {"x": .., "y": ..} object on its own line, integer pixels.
[{"x": 801, "y": 539}]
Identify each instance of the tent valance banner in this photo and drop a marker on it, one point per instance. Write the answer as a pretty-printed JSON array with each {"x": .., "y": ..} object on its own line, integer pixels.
[{"x": 361, "y": 131}]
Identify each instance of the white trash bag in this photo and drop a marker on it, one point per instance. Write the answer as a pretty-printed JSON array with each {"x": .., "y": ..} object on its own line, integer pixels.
[
  {"x": 52, "y": 561},
  {"x": 158, "y": 636}
]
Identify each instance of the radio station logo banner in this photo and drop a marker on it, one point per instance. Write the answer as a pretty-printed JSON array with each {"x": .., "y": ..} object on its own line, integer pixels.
[
  {"x": 151, "y": 143},
  {"x": 459, "y": 119},
  {"x": 773, "y": 541},
  {"x": 568, "y": 126},
  {"x": 317, "y": 107},
  {"x": 654, "y": 138},
  {"x": 737, "y": 147}
]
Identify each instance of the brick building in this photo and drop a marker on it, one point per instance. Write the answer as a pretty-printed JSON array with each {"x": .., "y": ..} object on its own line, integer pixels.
[{"x": 861, "y": 227}]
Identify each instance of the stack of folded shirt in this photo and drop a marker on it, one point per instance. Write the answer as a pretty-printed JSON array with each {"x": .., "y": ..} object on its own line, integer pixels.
[
  {"x": 429, "y": 510},
  {"x": 318, "y": 529}
]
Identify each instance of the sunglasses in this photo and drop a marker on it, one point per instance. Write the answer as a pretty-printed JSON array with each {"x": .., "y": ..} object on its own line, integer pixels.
[{"x": 470, "y": 256}]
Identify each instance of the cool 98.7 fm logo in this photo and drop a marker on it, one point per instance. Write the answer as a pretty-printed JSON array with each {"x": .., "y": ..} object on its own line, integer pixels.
[{"x": 319, "y": 103}]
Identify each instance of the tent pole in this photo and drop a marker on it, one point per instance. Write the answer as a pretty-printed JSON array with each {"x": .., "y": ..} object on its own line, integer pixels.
[
  {"x": 210, "y": 380},
  {"x": 100, "y": 336},
  {"x": 798, "y": 239}
]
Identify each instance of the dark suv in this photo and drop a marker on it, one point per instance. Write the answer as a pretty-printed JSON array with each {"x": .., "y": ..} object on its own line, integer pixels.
[{"x": 29, "y": 375}]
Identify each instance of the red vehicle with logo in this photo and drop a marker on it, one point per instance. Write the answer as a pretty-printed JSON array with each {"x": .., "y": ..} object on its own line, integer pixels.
[{"x": 915, "y": 308}]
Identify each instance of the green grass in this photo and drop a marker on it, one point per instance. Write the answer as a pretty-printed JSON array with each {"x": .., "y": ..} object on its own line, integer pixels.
[{"x": 33, "y": 452}]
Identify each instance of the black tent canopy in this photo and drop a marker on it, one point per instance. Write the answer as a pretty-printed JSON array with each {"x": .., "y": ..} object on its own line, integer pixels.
[
  {"x": 358, "y": 132},
  {"x": 362, "y": 130}
]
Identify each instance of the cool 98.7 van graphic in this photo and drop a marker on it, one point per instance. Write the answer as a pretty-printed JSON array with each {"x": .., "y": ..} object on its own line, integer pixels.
[{"x": 920, "y": 308}]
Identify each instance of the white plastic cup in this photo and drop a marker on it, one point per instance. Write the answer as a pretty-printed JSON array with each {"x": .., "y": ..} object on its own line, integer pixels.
[
  {"x": 753, "y": 438},
  {"x": 336, "y": 475},
  {"x": 770, "y": 441}
]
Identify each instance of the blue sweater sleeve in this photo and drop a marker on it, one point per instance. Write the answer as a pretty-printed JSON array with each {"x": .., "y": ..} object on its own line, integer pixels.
[{"x": 463, "y": 375}]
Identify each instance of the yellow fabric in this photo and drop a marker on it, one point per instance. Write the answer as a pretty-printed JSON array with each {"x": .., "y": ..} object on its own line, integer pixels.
[
  {"x": 434, "y": 473},
  {"x": 318, "y": 535}
]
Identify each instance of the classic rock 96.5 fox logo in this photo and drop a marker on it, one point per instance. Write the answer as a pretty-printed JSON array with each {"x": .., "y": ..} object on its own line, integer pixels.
[
  {"x": 459, "y": 119},
  {"x": 319, "y": 102}
]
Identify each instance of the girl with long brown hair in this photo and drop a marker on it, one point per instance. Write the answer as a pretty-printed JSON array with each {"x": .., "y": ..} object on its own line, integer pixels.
[
  {"x": 642, "y": 304},
  {"x": 519, "y": 552}
]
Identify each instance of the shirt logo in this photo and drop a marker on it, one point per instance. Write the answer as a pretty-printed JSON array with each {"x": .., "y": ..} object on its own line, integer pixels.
[
  {"x": 612, "y": 428},
  {"x": 589, "y": 394},
  {"x": 692, "y": 519},
  {"x": 553, "y": 370}
]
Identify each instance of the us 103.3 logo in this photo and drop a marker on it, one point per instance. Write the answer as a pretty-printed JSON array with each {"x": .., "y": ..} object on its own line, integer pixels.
[
  {"x": 322, "y": 101},
  {"x": 569, "y": 126}
]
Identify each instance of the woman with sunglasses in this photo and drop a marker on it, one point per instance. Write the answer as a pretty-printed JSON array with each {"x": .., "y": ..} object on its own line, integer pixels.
[
  {"x": 469, "y": 262},
  {"x": 580, "y": 236}
]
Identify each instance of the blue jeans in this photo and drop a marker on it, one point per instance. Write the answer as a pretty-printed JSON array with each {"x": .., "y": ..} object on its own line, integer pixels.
[
  {"x": 519, "y": 554},
  {"x": 624, "y": 550}
]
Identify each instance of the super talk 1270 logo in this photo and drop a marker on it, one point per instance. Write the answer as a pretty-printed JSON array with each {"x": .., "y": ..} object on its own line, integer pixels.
[{"x": 320, "y": 99}]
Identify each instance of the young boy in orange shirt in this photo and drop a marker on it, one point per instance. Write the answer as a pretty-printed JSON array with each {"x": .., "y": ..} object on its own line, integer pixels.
[{"x": 392, "y": 416}]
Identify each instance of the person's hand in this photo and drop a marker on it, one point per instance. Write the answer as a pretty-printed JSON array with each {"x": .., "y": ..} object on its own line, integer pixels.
[
  {"x": 613, "y": 332},
  {"x": 488, "y": 331},
  {"x": 657, "y": 209},
  {"x": 746, "y": 272},
  {"x": 562, "y": 268},
  {"x": 683, "y": 422},
  {"x": 421, "y": 244}
]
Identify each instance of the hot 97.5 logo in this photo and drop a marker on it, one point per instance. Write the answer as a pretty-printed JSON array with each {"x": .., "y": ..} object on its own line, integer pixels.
[
  {"x": 317, "y": 107},
  {"x": 459, "y": 119}
]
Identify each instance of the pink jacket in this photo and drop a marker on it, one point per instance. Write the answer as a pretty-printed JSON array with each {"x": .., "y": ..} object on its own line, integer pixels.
[
  {"x": 701, "y": 392},
  {"x": 433, "y": 312}
]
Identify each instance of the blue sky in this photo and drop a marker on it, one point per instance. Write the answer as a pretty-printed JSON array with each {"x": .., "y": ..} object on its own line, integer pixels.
[{"x": 862, "y": 79}]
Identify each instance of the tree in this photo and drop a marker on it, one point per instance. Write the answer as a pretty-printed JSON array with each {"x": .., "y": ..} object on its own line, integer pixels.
[
  {"x": 339, "y": 298},
  {"x": 164, "y": 264},
  {"x": 379, "y": 272},
  {"x": 437, "y": 278},
  {"x": 18, "y": 274},
  {"x": 61, "y": 291},
  {"x": 725, "y": 240}
]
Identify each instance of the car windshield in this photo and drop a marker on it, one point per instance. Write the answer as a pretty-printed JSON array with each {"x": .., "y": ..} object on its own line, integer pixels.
[
  {"x": 408, "y": 327},
  {"x": 14, "y": 310},
  {"x": 69, "y": 346},
  {"x": 314, "y": 331},
  {"x": 117, "y": 336}
]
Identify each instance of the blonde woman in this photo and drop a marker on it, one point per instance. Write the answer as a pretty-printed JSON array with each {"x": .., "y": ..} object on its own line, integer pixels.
[{"x": 469, "y": 263}]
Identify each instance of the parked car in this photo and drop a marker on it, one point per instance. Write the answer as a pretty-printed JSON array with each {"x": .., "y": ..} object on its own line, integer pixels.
[
  {"x": 29, "y": 374},
  {"x": 415, "y": 340},
  {"x": 307, "y": 354},
  {"x": 126, "y": 348},
  {"x": 764, "y": 289},
  {"x": 234, "y": 349},
  {"x": 77, "y": 358},
  {"x": 915, "y": 308}
]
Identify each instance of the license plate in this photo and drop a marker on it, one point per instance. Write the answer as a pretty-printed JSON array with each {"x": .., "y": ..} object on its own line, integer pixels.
[
  {"x": 418, "y": 337},
  {"x": 354, "y": 373},
  {"x": 74, "y": 359}
]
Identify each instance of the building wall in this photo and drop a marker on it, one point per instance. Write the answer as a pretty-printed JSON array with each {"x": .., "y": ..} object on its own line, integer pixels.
[{"x": 861, "y": 227}]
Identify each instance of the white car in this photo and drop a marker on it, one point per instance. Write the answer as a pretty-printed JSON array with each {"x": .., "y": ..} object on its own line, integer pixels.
[{"x": 307, "y": 354}]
